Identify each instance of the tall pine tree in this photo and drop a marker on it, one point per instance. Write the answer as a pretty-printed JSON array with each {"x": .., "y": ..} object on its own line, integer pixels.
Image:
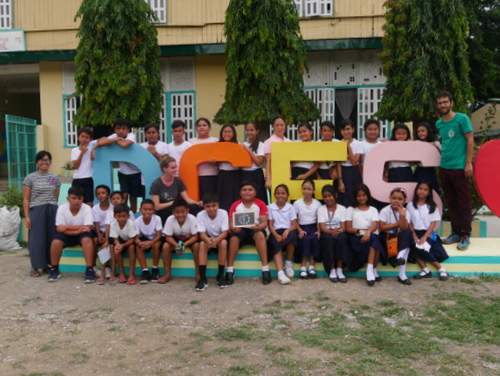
[
  {"x": 424, "y": 52},
  {"x": 117, "y": 67},
  {"x": 265, "y": 59}
]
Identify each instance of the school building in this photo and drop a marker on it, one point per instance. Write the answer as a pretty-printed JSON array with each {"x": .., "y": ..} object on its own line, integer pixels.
[{"x": 37, "y": 48}]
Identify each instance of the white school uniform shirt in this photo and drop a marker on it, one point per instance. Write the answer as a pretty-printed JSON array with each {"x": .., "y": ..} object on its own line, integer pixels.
[
  {"x": 126, "y": 233},
  {"x": 110, "y": 216},
  {"x": 332, "y": 220},
  {"x": 176, "y": 151},
  {"x": 362, "y": 220},
  {"x": 86, "y": 169},
  {"x": 421, "y": 217},
  {"x": 82, "y": 218},
  {"x": 148, "y": 231},
  {"x": 205, "y": 168},
  {"x": 367, "y": 146},
  {"x": 307, "y": 214},
  {"x": 161, "y": 148},
  {"x": 357, "y": 148},
  {"x": 259, "y": 153},
  {"x": 172, "y": 228},
  {"x": 391, "y": 217},
  {"x": 99, "y": 216},
  {"x": 213, "y": 227},
  {"x": 125, "y": 167},
  {"x": 326, "y": 165},
  {"x": 282, "y": 218}
]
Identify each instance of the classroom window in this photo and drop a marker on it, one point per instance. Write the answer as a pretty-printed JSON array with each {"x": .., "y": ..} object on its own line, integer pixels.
[
  {"x": 368, "y": 103},
  {"x": 5, "y": 14},
  {"x": 71, "y": 104},
  {"x": 159, "y": 7},
  {"x": 314, "y": 8}
]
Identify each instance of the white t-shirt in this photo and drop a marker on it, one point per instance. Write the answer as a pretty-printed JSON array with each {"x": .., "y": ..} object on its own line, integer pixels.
[
  {"x": 357, "y": 148},
  {"x": 172, "y": 228},
  {"x": 421, "y": 218},
  {"x": 86, "y": 169},
  {"x": 205, "y": 168},
  {"x": 367, "y": 146},
  {"x": 128, "y": 231},
  {"x": 398, "y": 164},
  {"x": 148, "y": 231},
  {"x": 326, "y": 165},
  {"x": 176, "y": 151},
  {"x": 82, "y": 218},
  {"x": 99, "y": 216},
  {"x": 332, "y": 220},
  {"x": 307, "y": 214},
  {"x": 125, "y": 167},
  {"x": 390, "y": 216},
  {"x": 282, "y": 218},
  {"x": 258, "y": 153},
  {"x": 361, "y": 219},
  {"x": 213, "y": 227}
]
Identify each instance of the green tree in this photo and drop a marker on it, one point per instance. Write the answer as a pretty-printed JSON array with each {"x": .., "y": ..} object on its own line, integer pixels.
[
  {"x": 265, "y": 59},
  {"x": 424, "y": 52},
  {"x": 483, "y": 41},
  {"x": 117, "y": 67}
]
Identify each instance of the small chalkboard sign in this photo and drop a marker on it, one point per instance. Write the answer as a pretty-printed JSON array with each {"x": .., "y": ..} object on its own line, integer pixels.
[{"x": 244, "y": 219}]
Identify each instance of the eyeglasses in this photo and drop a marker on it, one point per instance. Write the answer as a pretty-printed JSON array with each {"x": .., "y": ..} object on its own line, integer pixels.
[{"x": 45, "y": 160}]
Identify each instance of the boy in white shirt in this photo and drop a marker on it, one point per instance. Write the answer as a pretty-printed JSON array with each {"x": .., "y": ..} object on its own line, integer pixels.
[
  {"x": 181, "y": 231},
  {"x": 73, "y": 226},
  {"x": 122, "y": 232},
  {"x": 213, "y": 230},
  {"x": 80, "y": 157},
  {"x": 148, "y": 227},
  {"x": 178, "y": 146}
]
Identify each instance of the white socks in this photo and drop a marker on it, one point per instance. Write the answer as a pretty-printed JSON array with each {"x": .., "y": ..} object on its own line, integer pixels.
[
  {"x": 265, "y": 268},
  {"x": 402, "y": 272},
  {"x": 230, "y": 269},
  {"x": 340, "y": 273},
  {"x": 333, "y": 273},
  {"x": 369, "y": 273}
]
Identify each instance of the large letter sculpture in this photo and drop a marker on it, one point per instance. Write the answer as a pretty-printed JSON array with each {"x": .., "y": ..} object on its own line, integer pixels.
[
  {"x": 215, "y": 152},
  {"x": 285, "y": 152},
  {"x": 135, "y": 154},
  {"x": 487, "y": 175},
  {"x": 407, "y": 151}
]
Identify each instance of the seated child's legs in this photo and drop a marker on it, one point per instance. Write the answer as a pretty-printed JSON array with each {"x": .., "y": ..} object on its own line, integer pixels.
[
  {"x": 141, "y": 256},
  {"x": 131, "y": 255},
  {"x": 195, "y": 248},
  {"x": 167, "y": 258},
  {"x": 56, "y": 249},
  {"x": 261, "y": 246},
  {"x": 222, "y": 252},
  {"x": 234, "y": 247},
  {"x": 88, "y": 248},
  {"x": 203, "y": 253},
  {"x": 156, "y": 253}
]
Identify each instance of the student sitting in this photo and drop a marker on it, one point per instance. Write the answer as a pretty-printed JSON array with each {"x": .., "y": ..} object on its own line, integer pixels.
[{"x": 73, "y": 226}]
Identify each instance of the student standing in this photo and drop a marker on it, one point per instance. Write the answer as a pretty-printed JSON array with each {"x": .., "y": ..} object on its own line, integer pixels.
[
  {"x": 279, "y": 131},
  {"x": 84, "y": 170},
  {"x": 178, "y": 145},
  {"x": 228, "y": 180},
  {"x": 425, "y": 134},
  {"x": 302, "y": 170},
  {"x": 256, "y": 150},
  {"x": 399, "y": 171}
]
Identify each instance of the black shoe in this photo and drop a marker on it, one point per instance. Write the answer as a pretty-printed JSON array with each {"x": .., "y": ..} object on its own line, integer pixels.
[
  {"x": 343, "y": 280},
  {"x": 312, "y": 274},
  {"x": 420, "y": 276},
  {"x": 201, "y": 285},
  {"x": 221, "y": 282},
  {"x": 266, "y": 277},
  {"x": 406, "y": 281},
  {"x": 443, "y": 276},
  {"x": 378, "y": 279},
  {"x": 145, "y": 277},
  {"x": 370, "y": 282},
  {"x": 89, "y": 276},
  {"x": 303, "y": 274},
  {"x": 333, "y": 279},
  {"x": 400, "y": 261},
  {"x": 229, "y": 278},
  {"x": 155, "y": 274}
]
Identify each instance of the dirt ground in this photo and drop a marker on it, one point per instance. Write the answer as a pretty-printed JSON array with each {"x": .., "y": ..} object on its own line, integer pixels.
[{"x": 68, "y": 328}]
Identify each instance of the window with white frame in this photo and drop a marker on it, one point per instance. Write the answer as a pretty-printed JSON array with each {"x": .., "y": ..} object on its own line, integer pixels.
[
  {"x": 71, "y": 104},
  {"x": 159, "y": 7},
  {"x": 5, "y": 14},
  {"x": 368, "y": 103},
  {"x": 314, "y": 8}
]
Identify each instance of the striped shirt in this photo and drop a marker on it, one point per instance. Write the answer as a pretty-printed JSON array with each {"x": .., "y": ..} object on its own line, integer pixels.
[{"x": 43, "y": 187}]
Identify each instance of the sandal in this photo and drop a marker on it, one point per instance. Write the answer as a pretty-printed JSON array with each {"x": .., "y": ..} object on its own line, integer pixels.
[
  {"x": 122, "y": 280},
  {"x": 132, "y": 281},
  {"x": 164, "y": 279},
  {"x": 113, "y": 281},
  {"x": 101, "y": 281},
  {"x": 34, "y": 273}
]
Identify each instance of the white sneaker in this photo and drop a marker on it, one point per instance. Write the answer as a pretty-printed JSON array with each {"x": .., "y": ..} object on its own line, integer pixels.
[
  {"x": 289, "y": 271},
  {"x": 284, "y": 280},
  {"x": 107, "y": 272},
  {"x": 97, "y": 271}
]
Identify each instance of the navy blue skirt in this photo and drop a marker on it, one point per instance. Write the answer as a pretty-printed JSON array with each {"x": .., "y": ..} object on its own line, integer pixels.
[
  {"x": 228, "y": 188},
  {"x": 333, "y": 249},
  {"x": 324, "y": 174},
  {"x": 427, "y": 174},
  {"x": 405, "y": 240},
  {"x": 208, "y": 184},
  {"x": 257, "y": 176},
  {"x": 400, "y": 174},
  {"x": 437, "y": 252},
  {"x": 274, "y": 246},
  {"x": 359, "y": 251},
  {"x": 309, "y": 244},
  {"x": 351, "y": 176}
]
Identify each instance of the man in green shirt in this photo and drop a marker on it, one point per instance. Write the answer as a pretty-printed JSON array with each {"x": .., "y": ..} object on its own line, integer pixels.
[{"x": 455, "y": 168}]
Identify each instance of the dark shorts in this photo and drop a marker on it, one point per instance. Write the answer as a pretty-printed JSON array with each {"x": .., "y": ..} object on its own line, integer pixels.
[
  {"x": 246, "y": 236},
  {"x": 131, "y": 184},
  {"x": 72, "y": 240},
  {"x": 87, "y": 186},
  {"x": 144, "y": 239}
]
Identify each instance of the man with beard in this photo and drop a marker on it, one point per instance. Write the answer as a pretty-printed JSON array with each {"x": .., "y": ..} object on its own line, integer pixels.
[{"x": 455, "y": 168}]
